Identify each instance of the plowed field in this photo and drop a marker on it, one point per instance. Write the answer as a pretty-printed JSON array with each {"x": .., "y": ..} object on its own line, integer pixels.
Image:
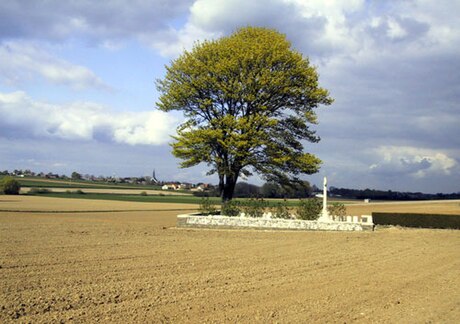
[{"x": 127, "y": 263}]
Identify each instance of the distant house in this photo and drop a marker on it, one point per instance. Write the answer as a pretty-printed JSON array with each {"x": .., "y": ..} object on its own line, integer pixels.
[
  {"x": 129, "y": 180},
  {"x": 198, "y": 189},
  {"x": 185, "y": 186},
  {"x": 170, "y": 186}
]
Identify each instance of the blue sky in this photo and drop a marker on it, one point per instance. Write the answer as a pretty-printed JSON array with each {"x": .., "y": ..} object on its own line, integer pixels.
[{"x": 77, "y": 85}]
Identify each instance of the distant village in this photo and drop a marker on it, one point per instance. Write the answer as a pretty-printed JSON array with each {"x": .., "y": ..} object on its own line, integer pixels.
[{"x": 143, "y": 180}]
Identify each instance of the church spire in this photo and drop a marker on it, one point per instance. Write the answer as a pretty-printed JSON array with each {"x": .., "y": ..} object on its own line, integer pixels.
[{"x": 154, "y": 178}]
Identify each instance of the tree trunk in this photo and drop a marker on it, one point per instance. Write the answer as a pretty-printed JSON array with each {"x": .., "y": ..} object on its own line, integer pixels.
[
  {"x": 221, "y": 186},
  {"x": 229, "y": 188}
]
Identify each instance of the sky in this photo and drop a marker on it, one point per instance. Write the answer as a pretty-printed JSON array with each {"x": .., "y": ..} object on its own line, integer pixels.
[{"x": 77, "y": 85}]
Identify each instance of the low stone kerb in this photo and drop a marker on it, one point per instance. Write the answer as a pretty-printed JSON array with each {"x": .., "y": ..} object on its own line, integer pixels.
[{"x": 196, "y": 220}]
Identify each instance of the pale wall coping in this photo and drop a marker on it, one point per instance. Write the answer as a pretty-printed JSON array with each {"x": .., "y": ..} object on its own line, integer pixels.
[{"x": 218, "y": 221}]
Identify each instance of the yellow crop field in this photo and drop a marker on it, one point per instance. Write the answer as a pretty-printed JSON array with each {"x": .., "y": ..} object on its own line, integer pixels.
[
  {"x": 114, "y": 191},
  {"x": 40, "y": 203},
  {"x": 451, "y": 207}
]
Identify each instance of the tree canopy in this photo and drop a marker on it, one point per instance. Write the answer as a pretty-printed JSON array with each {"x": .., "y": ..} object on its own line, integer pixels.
[
  {"x": 75, "y": 175},
  {"x": 249, "y": 102},
  {"x": 10, "y": 186}
]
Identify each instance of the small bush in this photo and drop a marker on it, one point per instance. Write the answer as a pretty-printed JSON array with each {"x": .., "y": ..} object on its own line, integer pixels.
[
  {"x": 79, "y": 192},
  {"x": 337, "y": 209},
  {"x": 143, "y": 193},
  {"x": 231, "y": 208},
  {"x": 10, "y": 186},
  {"x": 68, "y": 191},
  {"x": 281, "y": 210},
  {"x": 207, "y": 207},
  {"x": 254, "y": 207},
  {"x": 309, "y": 209}
]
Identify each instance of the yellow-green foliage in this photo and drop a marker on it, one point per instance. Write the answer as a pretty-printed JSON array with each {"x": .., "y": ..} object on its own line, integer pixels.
[
  {"x": 207, "y": 207},
  {"x": 337, "y": 209},
  {"x": 249, "y": 100},
  {"x": 281, "y": 210},
  {"x": 309, "y": 209},
  {"x": 231, "y": 208},
  {"x": 254, "y": 207}
]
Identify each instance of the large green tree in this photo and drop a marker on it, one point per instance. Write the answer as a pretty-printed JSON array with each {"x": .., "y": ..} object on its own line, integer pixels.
[{"x": 249, "y": 102}]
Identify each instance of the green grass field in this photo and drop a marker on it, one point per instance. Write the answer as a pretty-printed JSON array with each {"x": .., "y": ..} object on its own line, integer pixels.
[
  {"x": 190, "y": 199},
  {"x": 128, "y": 197}
]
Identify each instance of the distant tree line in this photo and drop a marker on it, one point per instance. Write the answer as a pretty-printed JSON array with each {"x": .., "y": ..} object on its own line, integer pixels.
[
  {"x": 305, "y": 190},
  {"x": 388, "y": 195},
  {"x": 267, "y": 190}
]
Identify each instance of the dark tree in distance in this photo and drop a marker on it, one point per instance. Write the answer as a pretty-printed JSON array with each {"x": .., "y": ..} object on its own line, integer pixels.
[
  {"x": 75, "y": 176},
  {"x": 10, "y": 186}
]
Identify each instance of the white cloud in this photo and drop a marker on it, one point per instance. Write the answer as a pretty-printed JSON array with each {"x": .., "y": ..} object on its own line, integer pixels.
[
  {"x": 413, "y": 161},
  {"x": 173, "y": 42},
  {"x": 395, "y": 30},
  {"x": 321, "y": 27},
  {"x": 142, "y": 128},
  {"x": 337, "y": 32},
  {"x": 324, "y": 29},
  {"x": 22, "y": 61},
  {"x": 22, "y": 117}
]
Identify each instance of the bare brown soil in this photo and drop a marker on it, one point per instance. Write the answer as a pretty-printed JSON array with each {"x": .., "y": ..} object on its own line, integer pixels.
[{"x": 136, "y": 267}]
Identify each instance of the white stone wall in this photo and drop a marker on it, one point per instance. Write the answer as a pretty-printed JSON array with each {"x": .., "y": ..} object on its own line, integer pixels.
[{"x": 190, "y": 220}]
